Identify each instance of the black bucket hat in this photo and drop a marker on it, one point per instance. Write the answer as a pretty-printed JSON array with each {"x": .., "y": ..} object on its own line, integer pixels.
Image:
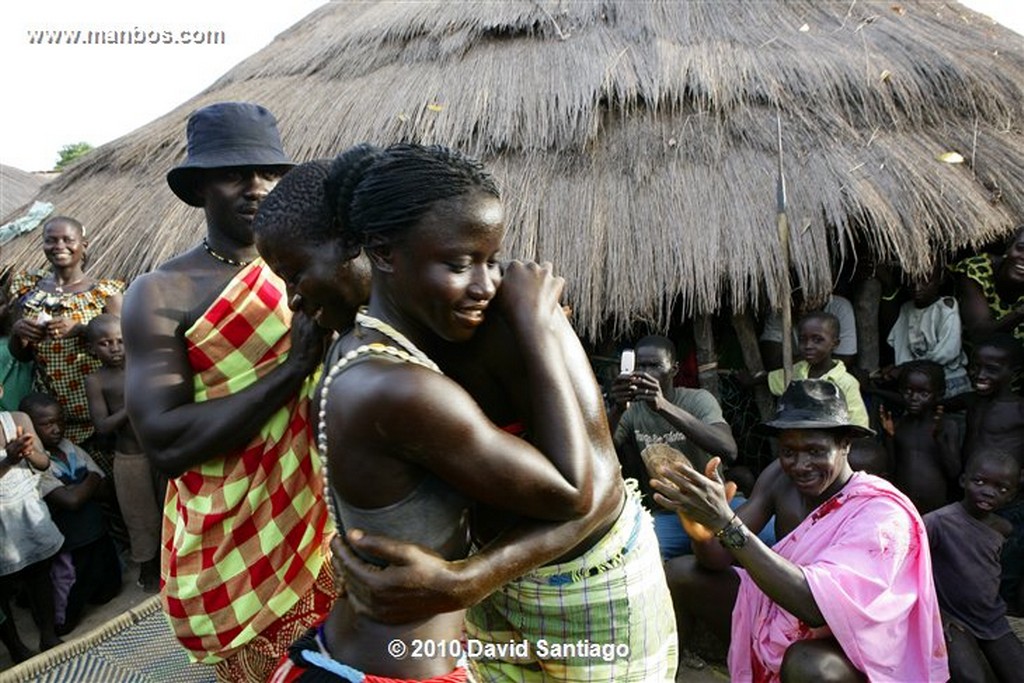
[
  {"x": 227, "y": 134},
  {"x": 812, "y": 404}
]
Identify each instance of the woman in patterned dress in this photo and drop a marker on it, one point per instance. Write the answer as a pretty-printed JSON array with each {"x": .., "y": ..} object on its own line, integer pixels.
[
  {"x": 992, "y": 291},
  {"x": 54, "y": 307}
]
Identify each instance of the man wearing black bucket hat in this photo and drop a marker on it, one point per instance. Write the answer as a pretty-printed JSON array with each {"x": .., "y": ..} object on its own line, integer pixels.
[
  {"x": 846, "y": 593},
  {"x": 218, "y": 378}
]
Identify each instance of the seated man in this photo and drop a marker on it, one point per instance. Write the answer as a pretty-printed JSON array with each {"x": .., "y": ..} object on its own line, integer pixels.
[
  {"x": 647, "y": 409},
  {"x": 853, "y": 571}
]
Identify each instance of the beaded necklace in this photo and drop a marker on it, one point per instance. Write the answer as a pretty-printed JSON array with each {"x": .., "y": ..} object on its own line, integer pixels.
[
  {"x": 408, "y": 352},
  {"x": 364, "y": 319},
  {"x": 222, "y": 258}
]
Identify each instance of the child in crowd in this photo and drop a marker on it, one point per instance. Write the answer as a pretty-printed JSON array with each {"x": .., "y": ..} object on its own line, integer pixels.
[
  {"x": 817, "y": 338},
  {"x": 72, "y": 487},
  {"x": 923, "y": 444},
  {"x": 839, "y": 306},
  {"x": 134, "y": 480},
  {"x": 995, "y": 422},
  {"x": 965, "y": 540},
  {"x": 995, "y": 415},
  {"x": 928, "y": 328},
  {"x": 28, "y": 537}
]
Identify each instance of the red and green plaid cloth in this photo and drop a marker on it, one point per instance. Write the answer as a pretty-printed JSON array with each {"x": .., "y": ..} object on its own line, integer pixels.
[{"x": 244, "y": 534}]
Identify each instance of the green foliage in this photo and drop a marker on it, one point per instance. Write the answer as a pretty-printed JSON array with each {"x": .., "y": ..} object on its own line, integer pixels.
[{"x": 70, "y": 153}]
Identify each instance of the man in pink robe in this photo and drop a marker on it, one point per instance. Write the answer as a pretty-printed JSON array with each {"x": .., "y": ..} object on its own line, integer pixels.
[{"x": 846, "y": 594}]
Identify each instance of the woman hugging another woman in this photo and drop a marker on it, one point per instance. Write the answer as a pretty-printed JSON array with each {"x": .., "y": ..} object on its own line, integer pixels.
[{"x": 412, "y": 400}]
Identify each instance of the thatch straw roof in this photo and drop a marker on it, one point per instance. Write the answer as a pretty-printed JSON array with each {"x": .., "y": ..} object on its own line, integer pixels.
[
  {"x": 17, "y": 188},
  {"x": 635, "y": 141}
]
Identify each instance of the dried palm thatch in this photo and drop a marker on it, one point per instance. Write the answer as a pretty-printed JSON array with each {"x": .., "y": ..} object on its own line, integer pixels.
[
  {"x": 17, "y": 188},
  {"x": 635, "y": 141}
]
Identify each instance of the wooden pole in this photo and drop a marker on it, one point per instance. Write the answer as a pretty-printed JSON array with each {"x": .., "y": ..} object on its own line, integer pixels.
[
  {"x": 784, "y": 285},
  {"x": 707, "y": 357},
  {"x": 867, "y": 301}
]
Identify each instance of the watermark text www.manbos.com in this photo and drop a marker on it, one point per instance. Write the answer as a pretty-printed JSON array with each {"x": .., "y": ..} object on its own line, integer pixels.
[{"x": 122, "y": 36}]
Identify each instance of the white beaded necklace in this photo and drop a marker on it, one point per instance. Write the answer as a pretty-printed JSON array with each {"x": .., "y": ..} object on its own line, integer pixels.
[{"x": 408, "y": 352}]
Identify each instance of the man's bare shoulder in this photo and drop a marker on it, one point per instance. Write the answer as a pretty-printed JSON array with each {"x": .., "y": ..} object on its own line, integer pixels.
[
  {"x": 168, "y": 280},
  {"x": 768, "y": 483},
  {"x": 176, "y": 289},
  {"x": 772, "y": 475}
]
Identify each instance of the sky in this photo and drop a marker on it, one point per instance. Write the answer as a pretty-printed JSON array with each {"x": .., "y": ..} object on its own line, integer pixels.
[
  {"x": 54, "y": 95},
  {"x": 60, "y": 94}
]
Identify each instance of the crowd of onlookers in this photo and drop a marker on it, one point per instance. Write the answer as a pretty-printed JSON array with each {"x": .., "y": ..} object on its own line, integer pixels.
[
  {"x": 948, "y": 413},
  {"x": 947, "y": 409},
  {"x": 74, "y": 484}
]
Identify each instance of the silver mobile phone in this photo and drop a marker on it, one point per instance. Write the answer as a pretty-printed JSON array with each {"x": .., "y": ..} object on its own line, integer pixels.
[{"x": 628, "y": 362}]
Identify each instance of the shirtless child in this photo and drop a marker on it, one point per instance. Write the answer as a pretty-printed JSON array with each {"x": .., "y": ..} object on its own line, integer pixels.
[
  {"x": 995, "y": 415},
  {"x": 995, "y": 422},
  {"x": 922, "y": 444},
  {"x": 965, "y": 540},
  {"x": 133, "y": 477}
]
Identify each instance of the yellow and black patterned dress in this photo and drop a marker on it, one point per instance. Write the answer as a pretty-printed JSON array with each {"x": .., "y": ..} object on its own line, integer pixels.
[
  {"x": 62, "y": 364},
  {"x": 981, "y": 269}
]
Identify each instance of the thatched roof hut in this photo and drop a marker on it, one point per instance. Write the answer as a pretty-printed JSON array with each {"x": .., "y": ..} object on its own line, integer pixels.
[
  {"x": 17, "y": 188},
  {"x": 635, "y": 141}
]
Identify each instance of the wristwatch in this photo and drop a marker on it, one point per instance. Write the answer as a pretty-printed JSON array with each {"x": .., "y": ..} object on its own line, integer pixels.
[{"x": 733, "y": 535}]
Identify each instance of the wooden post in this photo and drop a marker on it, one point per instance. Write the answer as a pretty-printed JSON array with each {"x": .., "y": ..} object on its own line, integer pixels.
[
  {"x": 743, "y": 323},
  {"x": 785, "y": 290},
  {"x": 867, "y": 300},
  {"x": 707, "y": 358}
]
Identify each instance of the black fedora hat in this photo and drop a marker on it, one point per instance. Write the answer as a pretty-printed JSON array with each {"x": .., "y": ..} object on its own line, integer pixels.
[
  {"x": 812, "y": 404},
  {"x": 227, "y": 134}
]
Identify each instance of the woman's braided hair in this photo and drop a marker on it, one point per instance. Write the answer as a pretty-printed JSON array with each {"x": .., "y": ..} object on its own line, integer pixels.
[
  {"x": 386, "y": 193},
  {"x": 302, "y": 205}
]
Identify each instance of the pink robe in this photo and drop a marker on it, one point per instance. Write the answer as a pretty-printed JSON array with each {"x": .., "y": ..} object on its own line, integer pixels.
[{"x": 864, "y": 553}]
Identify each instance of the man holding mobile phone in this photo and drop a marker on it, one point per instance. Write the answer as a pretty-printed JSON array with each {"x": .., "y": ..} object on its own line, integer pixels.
[{"x": 647, "y": 409}]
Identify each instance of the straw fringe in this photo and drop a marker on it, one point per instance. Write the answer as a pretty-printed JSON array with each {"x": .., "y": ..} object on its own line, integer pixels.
[{"x": 635, "y": 141}]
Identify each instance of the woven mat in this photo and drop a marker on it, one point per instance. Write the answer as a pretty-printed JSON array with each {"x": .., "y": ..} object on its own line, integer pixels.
[{"x": 136, "y": 647}]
